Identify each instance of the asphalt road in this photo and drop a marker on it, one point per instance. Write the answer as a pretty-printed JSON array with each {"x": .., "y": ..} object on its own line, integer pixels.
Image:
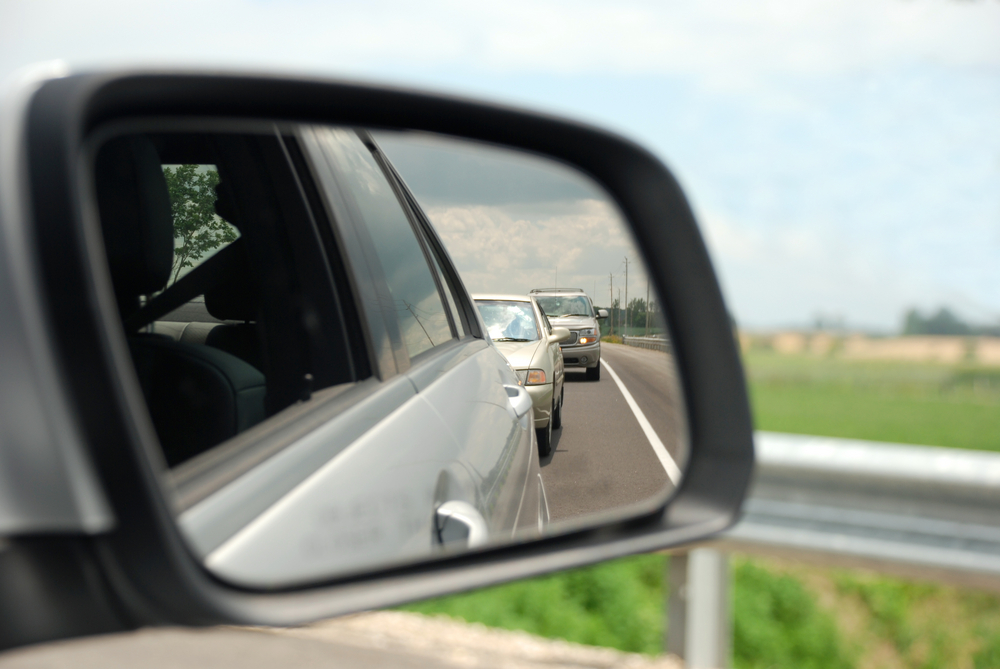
[{"x": 603, "y": 460}]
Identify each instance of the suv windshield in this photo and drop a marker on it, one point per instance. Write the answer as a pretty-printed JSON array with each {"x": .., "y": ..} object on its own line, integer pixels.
[
  {"x": 509, "y": 321},
  {"x": 554, "y": 307}
]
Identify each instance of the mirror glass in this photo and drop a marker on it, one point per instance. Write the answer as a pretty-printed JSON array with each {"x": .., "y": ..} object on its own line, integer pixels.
[{"x": 362, "y": 349}]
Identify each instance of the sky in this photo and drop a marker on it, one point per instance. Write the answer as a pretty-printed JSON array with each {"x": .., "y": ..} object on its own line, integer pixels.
[
  {"x": 842, "y": 156},
  {"x": 512, "y": 221}
]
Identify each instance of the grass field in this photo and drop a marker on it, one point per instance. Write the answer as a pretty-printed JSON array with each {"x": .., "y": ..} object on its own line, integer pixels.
[
  {"x": 930, "y": 404},
  {"x": 790, "y": 616}
]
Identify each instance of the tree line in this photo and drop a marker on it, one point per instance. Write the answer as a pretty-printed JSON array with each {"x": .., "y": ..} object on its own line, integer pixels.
[
  {"x": 944, "y": 322},
  {"x": 635, "y": 315}
]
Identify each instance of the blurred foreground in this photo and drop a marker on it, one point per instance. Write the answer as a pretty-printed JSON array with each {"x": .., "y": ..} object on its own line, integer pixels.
[{"x": 379, "y": 640}]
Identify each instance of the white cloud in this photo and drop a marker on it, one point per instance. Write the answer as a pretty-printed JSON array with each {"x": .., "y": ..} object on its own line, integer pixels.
[{"x": 512, "y": 250}]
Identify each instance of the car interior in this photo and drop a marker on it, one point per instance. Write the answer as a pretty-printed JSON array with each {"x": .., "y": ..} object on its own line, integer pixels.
[{"x": 254, "y": 327}]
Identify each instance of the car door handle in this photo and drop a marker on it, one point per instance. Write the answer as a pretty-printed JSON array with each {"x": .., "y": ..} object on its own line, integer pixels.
[
  {"x": 519, "y": 398},
  {"x": 460, "y": 522}
]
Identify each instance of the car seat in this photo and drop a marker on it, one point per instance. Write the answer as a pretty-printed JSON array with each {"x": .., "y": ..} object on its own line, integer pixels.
[{"x": 197, "y": 395}]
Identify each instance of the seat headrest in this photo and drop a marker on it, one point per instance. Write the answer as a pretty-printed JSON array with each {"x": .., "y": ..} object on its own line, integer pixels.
[
  {"x": 237, "y": 297},
  {"x": 134, "y": 204},
  {"x": 224, "y": 205}
]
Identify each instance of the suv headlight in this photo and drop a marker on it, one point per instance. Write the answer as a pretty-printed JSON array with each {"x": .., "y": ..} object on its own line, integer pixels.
[
  {"x": 587, "y": 333},
  {"x": 588, "y": 336}
]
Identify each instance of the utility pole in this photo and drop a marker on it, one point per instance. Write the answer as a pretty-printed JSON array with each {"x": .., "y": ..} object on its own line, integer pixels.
[
  {"x": 611, "y": 300},
  {"x": 647, "y": 306},
  {"x": 557, "y": 276},
  {"x": 626, "y": 294}
]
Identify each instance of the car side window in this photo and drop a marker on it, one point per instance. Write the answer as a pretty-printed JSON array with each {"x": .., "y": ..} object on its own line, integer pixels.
[
  {"x": 223, "y": 294},
  {"x": 449, "y": 294},
  {"x": 418, "y": 305}
]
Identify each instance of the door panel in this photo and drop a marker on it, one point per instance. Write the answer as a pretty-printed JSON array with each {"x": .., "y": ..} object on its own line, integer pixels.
[
  {"x": 373, "y": 504},
  {"x": 494, "y": 445}
]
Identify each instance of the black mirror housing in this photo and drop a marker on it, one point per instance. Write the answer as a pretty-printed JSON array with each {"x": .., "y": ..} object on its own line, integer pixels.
[{"x": 133, "y": 568}]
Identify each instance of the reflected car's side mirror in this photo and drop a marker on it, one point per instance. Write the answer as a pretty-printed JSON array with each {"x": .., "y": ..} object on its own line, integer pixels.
[
  {"x": 559, "y": 335},
  {"x": 114, "y": 530},
  {"x": 602, "y": 313}
]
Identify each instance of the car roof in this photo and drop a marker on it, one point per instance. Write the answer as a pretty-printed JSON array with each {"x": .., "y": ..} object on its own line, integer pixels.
[{"x": 501, "y": 298}]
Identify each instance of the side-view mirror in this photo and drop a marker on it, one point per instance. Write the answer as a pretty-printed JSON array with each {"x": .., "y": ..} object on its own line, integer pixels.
[
  {"x": 243, "y": 379},
  {"x": 559, "y": 335},
  {"x": 602, "y": 313}
]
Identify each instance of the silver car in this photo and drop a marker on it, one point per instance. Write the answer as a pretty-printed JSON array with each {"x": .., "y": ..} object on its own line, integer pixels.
[
  {"x": 532, "y": 347},
  {"x": 426, "y": 421},
  {"x": 572, "y": 309}
]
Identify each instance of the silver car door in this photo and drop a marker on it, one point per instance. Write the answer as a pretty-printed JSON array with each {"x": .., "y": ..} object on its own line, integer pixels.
[
  {"x": 462, "y": 379},
  {"x": 468, "y": 388},
  {"x": 474, "y": 392}
]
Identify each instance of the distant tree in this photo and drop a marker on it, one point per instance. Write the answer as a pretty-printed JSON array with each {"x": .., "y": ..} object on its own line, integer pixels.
[
  {"x": 913, "y": 323},
  {"x": 637, "y": 312},
  {"x": 197, "y": 229},
  {"x": 616, "y": 316},
  {"x": 829, "y": 322},
  {"x": 944, "y": 322}
]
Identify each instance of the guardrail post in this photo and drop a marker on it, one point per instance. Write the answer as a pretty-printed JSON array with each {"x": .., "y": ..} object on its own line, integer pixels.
[
  {"x": 677, "y": 581},
  {"x": 699, "y": 627}
]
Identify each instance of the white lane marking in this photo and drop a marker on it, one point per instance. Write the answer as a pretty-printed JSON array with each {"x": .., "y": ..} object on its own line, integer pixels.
[{"x": 673, "y": 471}]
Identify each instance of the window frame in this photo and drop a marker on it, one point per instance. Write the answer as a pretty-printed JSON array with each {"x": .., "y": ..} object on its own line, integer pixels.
[
  {"x": 463, "y": 300},
  {"x": 389, "y": 353},
  {"x": 418, "y": 232}
]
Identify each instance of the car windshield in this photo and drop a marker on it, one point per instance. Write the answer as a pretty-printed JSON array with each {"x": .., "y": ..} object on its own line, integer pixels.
[
  {"x": 554, "y": 307},
  {"x": 509, "y": 320}
]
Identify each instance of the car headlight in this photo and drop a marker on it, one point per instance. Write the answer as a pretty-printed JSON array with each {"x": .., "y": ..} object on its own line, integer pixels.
[
  {"x": 535, "y": 377},
  {"x": 588, "y": 333},
  {"x": 522, "y": 376},
  {"x": 588, "y": 336}
]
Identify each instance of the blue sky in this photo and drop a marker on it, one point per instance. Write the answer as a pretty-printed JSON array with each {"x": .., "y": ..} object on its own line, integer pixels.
[{"x": 843, "y": 157}]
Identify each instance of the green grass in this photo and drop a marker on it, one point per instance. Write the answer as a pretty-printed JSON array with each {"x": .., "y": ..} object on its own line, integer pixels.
[
  {"x": 926, "y": 625},
  {"x": 779, "y": 625},
  {"x": 938, "y": 405},
  {"x": 618, "y": 604}
]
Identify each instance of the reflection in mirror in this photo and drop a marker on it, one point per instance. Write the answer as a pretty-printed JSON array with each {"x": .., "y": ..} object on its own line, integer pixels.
[
  {"x": 358, "y": 351},
  {"x": 519, "y": 227}
]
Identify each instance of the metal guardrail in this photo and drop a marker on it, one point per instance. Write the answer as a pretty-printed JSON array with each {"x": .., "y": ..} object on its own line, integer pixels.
[
  {"x": 912, "y": 510},
  {"x": 917, "y": 511},
  {"x": 651, "y": 343}
]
